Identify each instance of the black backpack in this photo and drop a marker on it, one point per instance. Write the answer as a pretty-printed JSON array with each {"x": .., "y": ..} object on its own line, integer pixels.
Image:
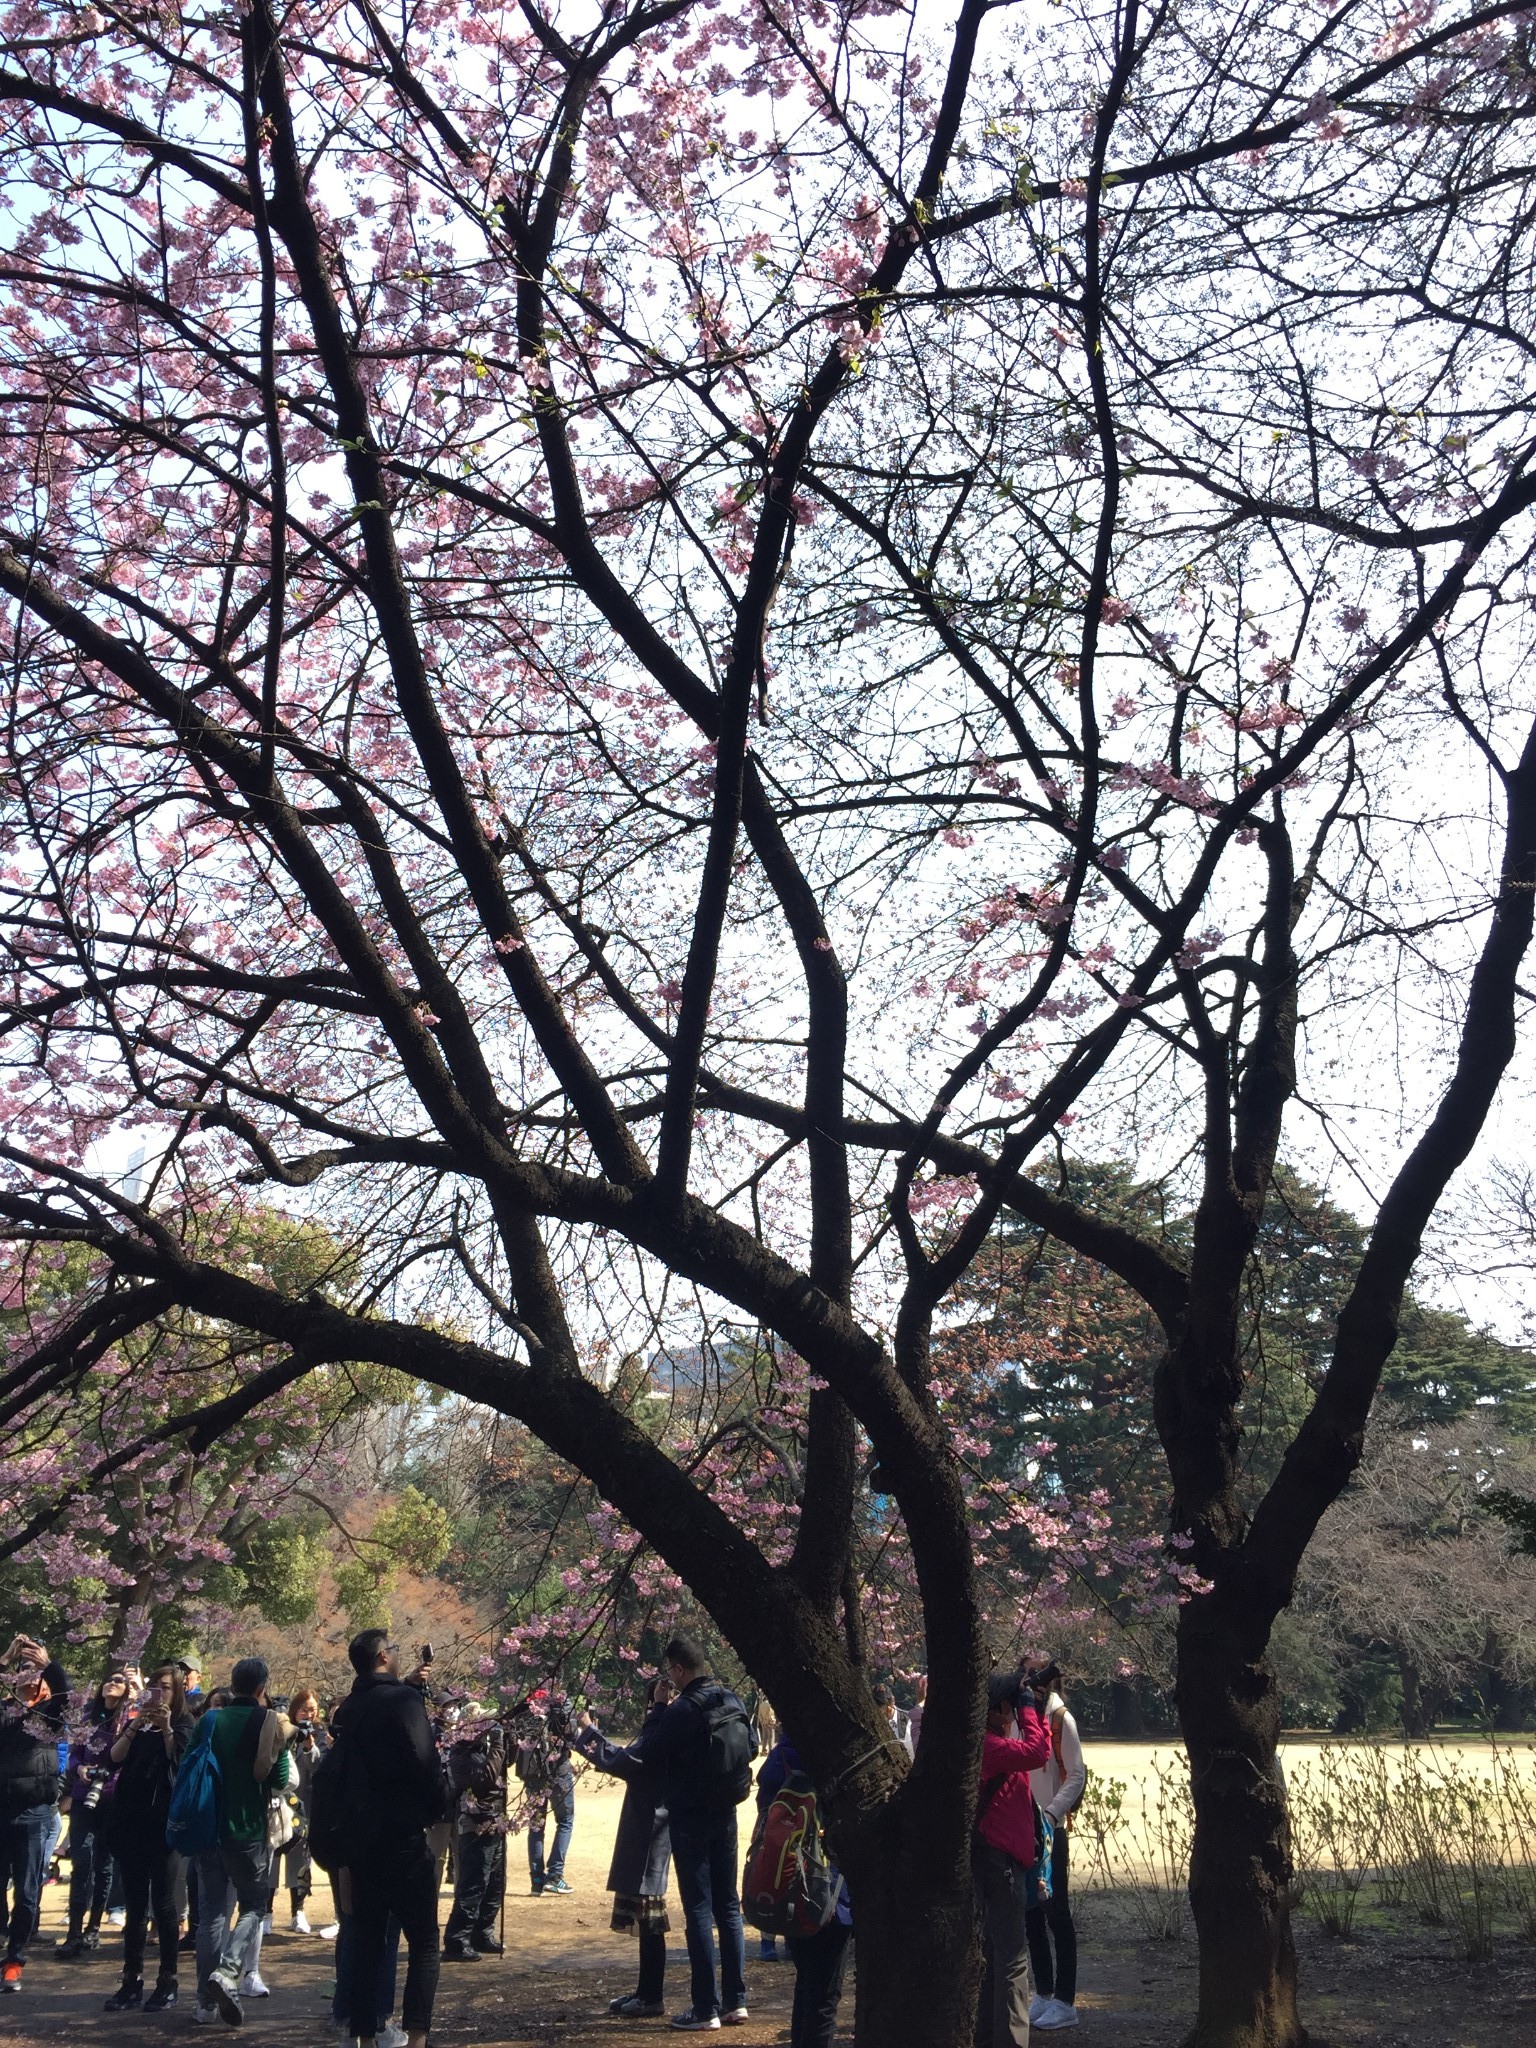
[
  {"x": 730, "y": 1744},
  {"x": 343, "y": 1811}
]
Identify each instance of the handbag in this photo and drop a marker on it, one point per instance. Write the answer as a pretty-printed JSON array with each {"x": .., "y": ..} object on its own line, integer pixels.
[{"x": 280, "y": 1829}]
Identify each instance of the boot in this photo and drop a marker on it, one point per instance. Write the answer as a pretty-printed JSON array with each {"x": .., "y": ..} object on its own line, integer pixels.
[
  {"x": 70, "y": 1947},
  {"x": 128, "y": 1998},
  {"x": 164, "y": 1994}
]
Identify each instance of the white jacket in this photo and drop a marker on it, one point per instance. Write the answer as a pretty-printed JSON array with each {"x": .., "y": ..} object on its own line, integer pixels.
[{"x": 1058, "y": 1785}]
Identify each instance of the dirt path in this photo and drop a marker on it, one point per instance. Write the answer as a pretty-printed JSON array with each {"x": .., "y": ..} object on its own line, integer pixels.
[{"x": 563, "y": 1964}]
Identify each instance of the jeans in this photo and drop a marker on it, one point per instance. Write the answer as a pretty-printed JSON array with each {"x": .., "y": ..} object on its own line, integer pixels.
[
  {"x": 399, "y": 1878},
  {"x": 562, "y": 1798},
  {"x": 384, "y": 1981},
  {"x": 236, "y": 1874},
  {"x": 23, "y": 1865},
  {"x": 477, "y": 1888},
  {"x": 90, "y": 1870},
  {"x": 819, "y": 1961},
  {"x": 151, "y": 1873},
  {"x": 1049, "y": 1922},
  {"x": 1002, "y": 2010},
  {"x": 704, "y": 1858}
]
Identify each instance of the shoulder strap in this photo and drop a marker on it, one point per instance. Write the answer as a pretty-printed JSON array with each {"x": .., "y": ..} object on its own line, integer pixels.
[
  {"x": 989, "y": 1791},
  {"x": 250, "y": 1740}
]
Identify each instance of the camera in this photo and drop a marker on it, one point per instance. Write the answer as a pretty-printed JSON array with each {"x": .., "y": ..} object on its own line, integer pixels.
[{"x": 95, "y": 1783}]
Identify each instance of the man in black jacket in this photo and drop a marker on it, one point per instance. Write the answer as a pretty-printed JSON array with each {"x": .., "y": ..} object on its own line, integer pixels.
[
  {"x": 395, "y": 1793},
  {"x": 703, "y": 1747},
  {"x": 29, "y": 1798},
  {"x": 477, "y": 1781}
]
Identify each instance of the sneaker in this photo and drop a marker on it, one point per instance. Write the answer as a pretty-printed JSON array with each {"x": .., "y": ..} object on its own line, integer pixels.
[
  {"x": 558, "y": 1886},
  {"x": 636, "y": 2008},
  {"x": 329, "y": 1933},
  {"x": 164, "y": 1994},
  {"x": 768, "y": 1950},
  {"x": 226, "y": 1996},
  {"x": 691, "y": 2022},
  {"x": 1036, "y": 2007},
  {"x": 128, "y": 1998},
  {"x": 461, "y": 1955},
  {"x": 1056, "y": 2014},
  {"x": 391, "y": 2036},
  {"x": 69, "y": 1947},
  {"x": 118, "y": 1918},
  {"x": 734, "y": 2016},
  {"x": 486, "y": 1945},
  {"x": 206, "y": 2016},
  {"x": 266, "y": 1925},
  {"x": 251, "y": 1986},
  {"x": 10, "y": 1977},
  {"x": 299, "y": 1924}
]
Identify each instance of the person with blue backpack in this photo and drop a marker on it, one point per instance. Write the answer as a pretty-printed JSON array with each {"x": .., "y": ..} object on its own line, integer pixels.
[{"x": 239, "y": 1758}]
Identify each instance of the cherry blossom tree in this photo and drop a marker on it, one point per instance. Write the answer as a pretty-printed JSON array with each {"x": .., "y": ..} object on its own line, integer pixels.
[{"x": 649, "y": 644}]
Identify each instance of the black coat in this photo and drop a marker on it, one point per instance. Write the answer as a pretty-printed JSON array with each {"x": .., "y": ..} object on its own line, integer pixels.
[
  {"x": 29, "y": 1766},
  {"x": 141, "y": 1799},
  {"x": 642, "y": 1848},
  {"x": 387, "y": 1720},
  {"x": 675, "y": 1742}
]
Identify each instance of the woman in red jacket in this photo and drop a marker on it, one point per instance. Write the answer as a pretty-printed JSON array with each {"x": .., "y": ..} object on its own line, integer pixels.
[{"x": 1017, "y": 1742}]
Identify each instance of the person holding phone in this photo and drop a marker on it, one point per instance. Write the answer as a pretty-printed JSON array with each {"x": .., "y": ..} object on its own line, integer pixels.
[
  {"x": 29, "y": 1798},
  {"x": 308, "y": 1743},
  {"x": 145, "y": 1754}
]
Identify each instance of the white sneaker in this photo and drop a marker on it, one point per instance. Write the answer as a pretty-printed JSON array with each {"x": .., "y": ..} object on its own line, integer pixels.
[
  {"x": 251, "y": 1986},
  {"x": 391, "y": 2036},
  {"x": 1056, "y": 2014},
  {"x": 266, "y": 1925},
  {"x": 300, "y": 1924},
  {"x": 118, "y": 1918},
  {"x": 330, "y": 1933},
  {"x": 207, "y": 2016}
]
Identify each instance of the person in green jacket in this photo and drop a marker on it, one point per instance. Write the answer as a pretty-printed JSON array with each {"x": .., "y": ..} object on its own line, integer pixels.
[{"x": 250, "y": 1741}]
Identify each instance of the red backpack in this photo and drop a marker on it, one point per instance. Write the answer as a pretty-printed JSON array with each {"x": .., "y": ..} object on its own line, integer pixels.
[{"x": 788, "y": 1886}]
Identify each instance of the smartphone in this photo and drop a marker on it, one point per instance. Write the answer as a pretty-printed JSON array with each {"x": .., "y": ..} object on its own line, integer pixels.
[{"x": 426, "y": 1653}]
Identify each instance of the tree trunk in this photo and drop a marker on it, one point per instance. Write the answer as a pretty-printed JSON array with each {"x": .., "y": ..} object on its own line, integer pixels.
[
  {"x": 1126, "y": 1720},
  {"x": 916, "y": 1951},
  {"x": 1415, "y": 1709},
  {"x": 1240, "y": 1870}
]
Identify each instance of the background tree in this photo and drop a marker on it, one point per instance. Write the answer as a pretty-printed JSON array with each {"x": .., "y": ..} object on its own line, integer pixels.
[
  {"x": 133, "y": 1540},
  {"x": 647, "y": 643},
  {"x": 1414, "y": 1561}
]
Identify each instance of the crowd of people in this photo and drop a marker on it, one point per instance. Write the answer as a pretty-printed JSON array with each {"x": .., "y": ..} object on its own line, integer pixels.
[{"x": 196, "y": 1811}]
